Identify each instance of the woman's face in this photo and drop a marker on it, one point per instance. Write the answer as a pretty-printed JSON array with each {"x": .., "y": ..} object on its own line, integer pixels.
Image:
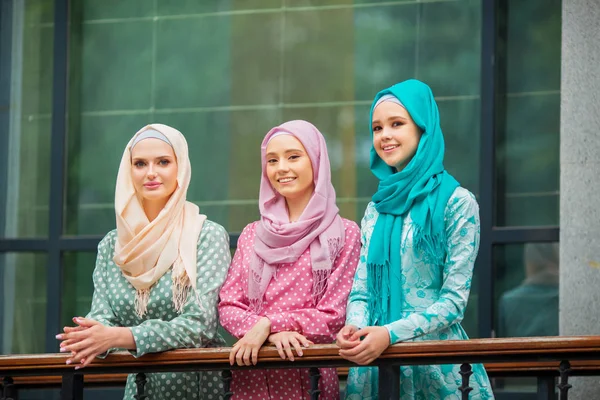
[
  {"x": 289, "y": 168},
  {"x": 395, "y": 135},
  {"x": 154, "y": 170}
]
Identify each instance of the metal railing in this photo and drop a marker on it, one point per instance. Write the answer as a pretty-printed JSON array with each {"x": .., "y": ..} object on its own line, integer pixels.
[{"x": 543, "y": 357}]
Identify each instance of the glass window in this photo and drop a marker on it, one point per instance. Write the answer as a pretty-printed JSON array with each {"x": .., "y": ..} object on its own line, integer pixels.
[
  {"x": 23, "y": 302},
  {"x": 78, "y": 286},
  {"x": 224, "y": 73},
  {"x": 25, "y": 171},
  {"x": 529, "y": 133},
  {"x": 526, "y": 287},
  {"x": 470, "y": 322},
  {"x": 526, "y": 299}
]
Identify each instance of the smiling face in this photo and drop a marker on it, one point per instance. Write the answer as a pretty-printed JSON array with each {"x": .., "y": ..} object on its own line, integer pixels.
[
  {"x": 395, "y": 135},
  {"x": 154, "y": 170},
  {"x": 288, "y": 167}
]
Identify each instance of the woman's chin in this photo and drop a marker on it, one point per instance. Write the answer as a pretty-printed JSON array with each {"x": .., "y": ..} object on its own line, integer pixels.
[{"x": 155, "y": 197}]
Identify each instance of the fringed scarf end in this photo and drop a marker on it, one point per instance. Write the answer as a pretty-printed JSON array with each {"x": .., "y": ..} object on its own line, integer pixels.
[
  {"x": 255, "y": 306},
  {"x": 377, "y": 285},
  {"x": 320, "y": 278},
  {"x": 181, "y": 289},
  {"x": 431, "y": 246},
  {"x": 142, "y": 297},
  {"x": 335, "y": 246}
]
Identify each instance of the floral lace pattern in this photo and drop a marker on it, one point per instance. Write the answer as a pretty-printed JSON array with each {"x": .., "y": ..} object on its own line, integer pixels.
[{"x": 434, "y": 301}]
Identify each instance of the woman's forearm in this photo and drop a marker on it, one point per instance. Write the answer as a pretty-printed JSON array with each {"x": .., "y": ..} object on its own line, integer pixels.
[{"x": 123, "y": 338}]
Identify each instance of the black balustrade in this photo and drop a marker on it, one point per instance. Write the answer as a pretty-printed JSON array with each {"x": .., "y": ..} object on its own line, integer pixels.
[
  {"x": 564, "y": 386},
  {"x": 140, "y": 384},
  {"x": 465, "y": 389}
]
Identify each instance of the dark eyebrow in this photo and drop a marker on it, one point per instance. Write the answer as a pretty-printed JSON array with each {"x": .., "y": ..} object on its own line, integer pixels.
[
  {"x": 271, "y": 154},
  {"x": 156, "y": 158},
  {"x": 390, "y": 119}
]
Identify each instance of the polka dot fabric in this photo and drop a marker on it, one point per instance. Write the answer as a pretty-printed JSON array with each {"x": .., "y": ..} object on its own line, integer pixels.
[
  {"x": 290, "y": 307},
  {"x": 162, "y": 328}
]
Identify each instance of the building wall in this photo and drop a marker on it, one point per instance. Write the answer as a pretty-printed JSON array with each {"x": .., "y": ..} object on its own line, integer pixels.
[{"x": 580, "y": 177}]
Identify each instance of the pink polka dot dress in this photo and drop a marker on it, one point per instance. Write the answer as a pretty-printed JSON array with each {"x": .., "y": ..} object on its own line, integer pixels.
[{"x": 289, "y": 304}]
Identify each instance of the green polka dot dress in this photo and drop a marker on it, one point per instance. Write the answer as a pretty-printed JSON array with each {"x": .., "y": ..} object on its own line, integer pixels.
[{"x": 162, "y": 328}]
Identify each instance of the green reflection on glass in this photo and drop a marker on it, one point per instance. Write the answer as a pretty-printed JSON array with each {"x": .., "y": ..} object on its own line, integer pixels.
[
  {"x": 224, "y": 73},
  {"x": 23, "y": 294},
  {"x": 30, "y": 91},
  {"x": 78, "y": 286},
  {"x": 527, "y": 152},
  {"x": 526, "y": 288}
]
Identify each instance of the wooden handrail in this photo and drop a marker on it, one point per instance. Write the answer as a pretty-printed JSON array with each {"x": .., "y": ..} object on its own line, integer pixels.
[
  {"x": 501, "y": 355},
  {"x": 532, "y": 368}
]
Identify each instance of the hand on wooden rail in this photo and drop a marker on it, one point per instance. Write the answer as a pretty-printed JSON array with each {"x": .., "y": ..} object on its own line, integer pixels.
[
  {"x": 90, "y": 339},
  {"x": 285, "y": 340},
  {"x": 245, "y": 351},
  {"x": 375, "y": 340}
]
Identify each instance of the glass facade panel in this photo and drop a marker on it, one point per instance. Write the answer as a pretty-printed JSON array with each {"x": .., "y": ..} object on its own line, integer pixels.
[
  {"x": 528, "y": 156},
  {"x": 25, "y": 105},
  {"x": 526, "y": 287},
  {"x": 78, "y": 286},
  {"x": 22, "y": 303},
  {"x": 526, "y": 299},
  {"x": 470, "y": 322},
  {"x": 237, "y": 71}
]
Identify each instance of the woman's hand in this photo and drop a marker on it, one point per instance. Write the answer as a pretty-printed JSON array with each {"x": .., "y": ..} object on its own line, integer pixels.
[
  {"x": 90, "y": 339},
  {"x": 284, "y": 340},
  {"x": 376, "y": 340},
  {"x": 343, "y": 337},
  {"x": 245, "y": 351}
]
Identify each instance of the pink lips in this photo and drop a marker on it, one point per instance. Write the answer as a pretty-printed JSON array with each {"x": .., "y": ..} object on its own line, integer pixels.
[
  {"x": 152, "y": 185},
  {"x": 390, "y": 150}
]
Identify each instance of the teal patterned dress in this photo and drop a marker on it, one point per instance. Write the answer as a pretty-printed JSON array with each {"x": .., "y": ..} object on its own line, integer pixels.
[
  {"x": 162, "y": 328},
  {"x": 434, "y": 301}
]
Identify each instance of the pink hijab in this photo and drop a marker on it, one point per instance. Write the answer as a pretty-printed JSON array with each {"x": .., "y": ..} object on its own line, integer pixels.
[{"x": 319, "y": 228}]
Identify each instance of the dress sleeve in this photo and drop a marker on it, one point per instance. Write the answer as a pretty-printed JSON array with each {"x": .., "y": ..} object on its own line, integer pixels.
[
  {"x": 462, "y": 230},
  {"x": 102, "y": 310},
  {"x": 234, "y": 312},
  {"x": 358, "y": 310},
  {"x": 321, "y": 323},
  {"x": 196, "y": 326}
]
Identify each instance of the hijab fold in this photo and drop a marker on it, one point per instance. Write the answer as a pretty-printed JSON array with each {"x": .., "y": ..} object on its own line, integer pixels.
[
  {"x": 146, "y": 250},
  {"x": 319, "y": 227},
  {"x": 421, "y": 190}
]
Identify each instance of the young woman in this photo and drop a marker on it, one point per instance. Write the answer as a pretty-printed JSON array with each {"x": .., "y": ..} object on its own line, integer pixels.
[
  {"x": 292, "y": 271},
  {"x": 420, "y": 238},
  {"x": 158, "y": 274}
]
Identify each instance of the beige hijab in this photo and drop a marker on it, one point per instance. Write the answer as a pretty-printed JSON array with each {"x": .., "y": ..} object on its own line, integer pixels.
[{"x": 146, "y": 250}]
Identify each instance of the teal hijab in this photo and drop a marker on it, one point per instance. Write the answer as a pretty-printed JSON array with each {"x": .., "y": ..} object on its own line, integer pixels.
[{"x": 422, "y": 190}]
